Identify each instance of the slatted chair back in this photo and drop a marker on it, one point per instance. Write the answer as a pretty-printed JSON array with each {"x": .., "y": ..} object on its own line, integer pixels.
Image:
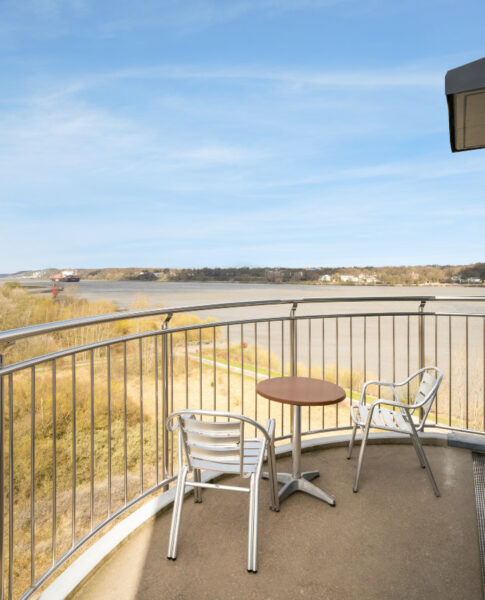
[
  {"x": 428, "y": 388},
  {"x": 216, "y": 446}
]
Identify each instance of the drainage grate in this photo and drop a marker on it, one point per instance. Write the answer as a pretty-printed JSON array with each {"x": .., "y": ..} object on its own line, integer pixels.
[{"x": 479, "y": 478}]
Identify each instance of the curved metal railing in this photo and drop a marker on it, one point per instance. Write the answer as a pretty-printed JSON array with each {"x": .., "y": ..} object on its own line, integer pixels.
[{"x": 83, "y": 435}]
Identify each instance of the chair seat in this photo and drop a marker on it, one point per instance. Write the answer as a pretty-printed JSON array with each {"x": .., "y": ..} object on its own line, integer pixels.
[
  {"x": 382, "y": 418},
  {"x": 201, "y": 458}
]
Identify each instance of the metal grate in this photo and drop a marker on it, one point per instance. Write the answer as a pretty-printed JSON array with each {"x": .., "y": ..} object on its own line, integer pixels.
[{"x": 479, "y": 478}]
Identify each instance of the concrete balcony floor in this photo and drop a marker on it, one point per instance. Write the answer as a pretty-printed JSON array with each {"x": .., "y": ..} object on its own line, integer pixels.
[{"x": 392, "y": 540}]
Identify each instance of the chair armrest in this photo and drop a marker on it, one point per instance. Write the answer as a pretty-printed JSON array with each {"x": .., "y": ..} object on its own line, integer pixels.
[
  {"x": 375, "y": 382},
  {"x": 396, "y": 403},
  {"x": 413, "y": 375}
]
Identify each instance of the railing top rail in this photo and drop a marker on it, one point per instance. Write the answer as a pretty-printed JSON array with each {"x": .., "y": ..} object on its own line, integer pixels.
[{"x": 44, "y": 328}]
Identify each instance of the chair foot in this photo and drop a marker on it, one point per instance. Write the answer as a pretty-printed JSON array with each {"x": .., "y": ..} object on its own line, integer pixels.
[{"x": 355, "y": 491}]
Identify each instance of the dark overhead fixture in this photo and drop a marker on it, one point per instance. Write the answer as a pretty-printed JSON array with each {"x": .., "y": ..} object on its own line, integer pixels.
[{"x": 465, "y": 92}]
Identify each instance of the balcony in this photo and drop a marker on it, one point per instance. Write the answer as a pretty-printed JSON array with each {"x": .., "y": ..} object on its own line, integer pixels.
[
  {"x": 87, "y": 461},
  {"x": 393, "y": 539}
]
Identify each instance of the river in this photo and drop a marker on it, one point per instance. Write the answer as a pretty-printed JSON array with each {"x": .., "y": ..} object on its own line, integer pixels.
[{"x": 379, "y": 344}]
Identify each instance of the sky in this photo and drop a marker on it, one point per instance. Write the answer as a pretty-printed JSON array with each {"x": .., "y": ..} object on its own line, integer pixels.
[{"x": 192, "y": 133}]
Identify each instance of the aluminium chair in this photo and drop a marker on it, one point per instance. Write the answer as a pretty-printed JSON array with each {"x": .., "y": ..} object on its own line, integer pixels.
[
  {"x": 398, "y": 417},
  {"x": 220, "y": 446}
]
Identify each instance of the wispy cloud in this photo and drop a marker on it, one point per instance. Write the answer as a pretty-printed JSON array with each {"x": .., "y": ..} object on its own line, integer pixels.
[{"x": 411, "y": 76}]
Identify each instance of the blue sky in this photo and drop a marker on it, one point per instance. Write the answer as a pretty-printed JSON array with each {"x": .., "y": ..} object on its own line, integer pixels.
[{"x": 235, "y": 132}]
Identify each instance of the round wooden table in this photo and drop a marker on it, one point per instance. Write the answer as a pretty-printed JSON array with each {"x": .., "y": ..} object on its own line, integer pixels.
[{"x": 300, "y": 391}]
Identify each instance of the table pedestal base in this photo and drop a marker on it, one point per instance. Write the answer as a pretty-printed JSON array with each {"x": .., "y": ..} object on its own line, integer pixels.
[{"x": 301, "y": 484}]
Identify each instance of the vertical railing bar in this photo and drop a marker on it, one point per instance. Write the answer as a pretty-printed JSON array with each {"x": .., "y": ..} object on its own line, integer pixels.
[
  {"x": 393, "y": 348},
  {"x": 11, "y": 488},
  {"x": 295, "y": 414},
  {"x": 91, "y": 507},
  {"x": 2, "y": 485},
  {"x": 269, "y": 364},
  {"x": 282, "y": 372},
  {"x": 379, "y": 354},
  {"x": 125, "y": 418},
  {"x": 200, "y": 369},
  {"x": 466, "y": 370},
  {"x": 228, "y": 348},
  {"x": 309, "y": 367},
  {"x": 140, "y": 349},
  {"x": 214, "y": 370},
  {"x": 408, "y": 355},
  {"x": 293, "y": 341},
  {"x": 74, "y": 451},
  {"x": 351, "y": 365},
  {"x": 165, "y": 438},
  {"x": 242, "y": 369},
  {"x": 365, "y": 349},
  {"x": 54, "y": 461},
  {"x": 309, "y": 347},
  {"x": 450, "y": 377},
  {"x": 108, "y": 375},
  {"x": 171, "y": 401},
  {"x": 336, "y": 366},
  {"x": 157, "y": 432},
  {"x": 32, "y": 476},
  {"x": 323, "y": 367},
  {"x": 186, "y": 371},
  {"x": 421, "y": 342},
  {"x": 483, "y": 371},
  {"x": 436, "y": 363},
  {"x": 255, "y": 374}
]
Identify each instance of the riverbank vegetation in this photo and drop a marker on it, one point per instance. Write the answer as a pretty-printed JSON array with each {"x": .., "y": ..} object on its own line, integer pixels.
[{"x": 473, "y": 274}]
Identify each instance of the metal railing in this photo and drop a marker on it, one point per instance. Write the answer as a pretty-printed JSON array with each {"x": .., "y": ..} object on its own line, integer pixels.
[{"x": 83, "y": 435}]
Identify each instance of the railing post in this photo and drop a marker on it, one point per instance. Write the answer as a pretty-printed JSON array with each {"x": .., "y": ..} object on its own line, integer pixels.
[
  {"x": 293, "y": 340},
  {"x": 165, "y": 399},
  {"x": 421, "y": 340},
  {"x": 296, "y": 412},
  {"x": 2, "y": 482}
]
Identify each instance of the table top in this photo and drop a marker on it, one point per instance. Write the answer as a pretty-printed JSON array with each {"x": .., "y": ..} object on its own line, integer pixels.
[{"x": 302, "y": 391}]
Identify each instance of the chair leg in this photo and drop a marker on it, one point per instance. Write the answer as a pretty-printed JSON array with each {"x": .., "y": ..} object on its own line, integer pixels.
[
  {"x": 174, "y": 519},
  {"x": 197, "y": 490},
  {"x": 426, "y": 464},
  {"x": 275, "y": 500},
  {"x": 352, "y": 440},
  {"x": 361, "y": 458},
  {"x": 255, "y": 524},
  {"x": 177, "y": 514},
  {"x": 251, "y": 524},
  {"x": 418, "y": 452}
]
